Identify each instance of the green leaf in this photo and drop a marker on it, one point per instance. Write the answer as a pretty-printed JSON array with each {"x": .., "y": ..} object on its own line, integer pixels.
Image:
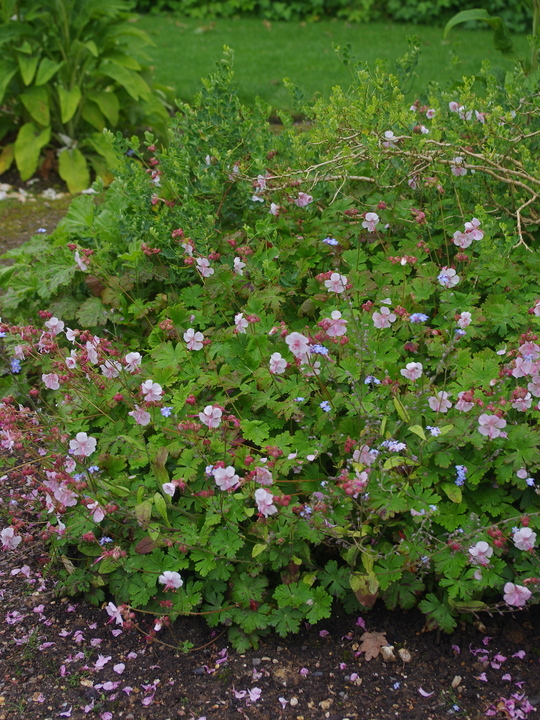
[
  {"x": 47, "y": 69},
  {"x": 452, "y": 491},
  {"x": 161, "y": 507},
  {"x": 143, "y": 512},
  {"x": 101, "y": 144},
  {"x": 395, "y": 462},
  {"x": 79, "y": 218},
  {"x": 69, "y": 101},
  {"x": 132, "y": 83},
  {"x": 36, "y": 101},
  {"x": 438, "y": 613},
  {"x": 108, "y": 103},
  {"x": 92, "y": 312},
  {"x": 28, "y": 144},
  {"x": 7, "y": 71},
  {"x": 27, "y": 65},
  {"x": 6, "y": 158},
  {"x": 73, "y": 168},
  {"x": 418, "y": 430},
  {"x": 401, "y": 411},
  {"x": 93, "y": 115},
  {"x": 158, "y": 466},
  {"x": 501, "y": 40},
  {"x": 258, "y": 548},
  {"x": 255, "y": 430}
]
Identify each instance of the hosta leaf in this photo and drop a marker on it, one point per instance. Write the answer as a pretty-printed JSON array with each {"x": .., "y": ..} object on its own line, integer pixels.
[
  {"x": 6, "y": 158},
  {"x": 47, "y": 69},
  {"x": 28, "y": 65},
  {"x": 108, "y": 103},
  {"x": 73, "y": 168},
  {"x": 93, "y": 115},
  {"x": 69, "y": 102},
  {"x": 7, "y": 71},
  {"x": 36, "y": 101},
  {"x": 132, "y": 83},
  {"x": 101, "y": 145},
  {"x": 28, "y": 146}
]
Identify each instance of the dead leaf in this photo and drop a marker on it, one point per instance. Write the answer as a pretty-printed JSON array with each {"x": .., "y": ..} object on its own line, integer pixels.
[{"x": 372, "y": 642}]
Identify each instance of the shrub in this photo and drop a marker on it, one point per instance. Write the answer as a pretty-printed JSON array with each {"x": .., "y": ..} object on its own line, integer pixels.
[
  {"x": 305, "y": 369},
  {"x": 68, "y": 70}
]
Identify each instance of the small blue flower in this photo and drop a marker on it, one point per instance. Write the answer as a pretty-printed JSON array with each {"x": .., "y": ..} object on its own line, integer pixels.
[
  {"x": 418, "y": 318},
  {"x": 93, "y": 468},
  {"x": 319, "y": 349},
  {"x": 104, "y": 540},
  {"x": 434, "y": 431},
  {"x": 530, "y": 482},
  {"x": 166, "y": 411},
  {"x": 325, "y": 405},
  {"x": 433, "y": 508},
  {"x": 459, "y": 332},
  {"x": 396, "y": 685},
  {"x": 299, "y": 399},
  {"x": 330, "y": 241},
  {"x": 371, "y": 380},
  {"x": 41, "y": 230},
  {"x": 2, "y": 334},
  {"x": 15, "y": 366},
  {"x": 461, "y": 472}
]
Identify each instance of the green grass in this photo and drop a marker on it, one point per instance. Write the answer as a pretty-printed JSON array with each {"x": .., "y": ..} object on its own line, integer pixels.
[{"x": 186, "y": 50}]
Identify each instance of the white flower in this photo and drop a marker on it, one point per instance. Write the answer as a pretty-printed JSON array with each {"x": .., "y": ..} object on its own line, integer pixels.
[
  {"x": 82, "y": 445},
  {"x": 133, "y": 361},
  {"x": 171, "y": 580},
  {"x": 211, "y": 416},
  {"x": 524, "y": 538},
  {"x": 278, "y": 364},
  {"x": 193, "y": 339}
]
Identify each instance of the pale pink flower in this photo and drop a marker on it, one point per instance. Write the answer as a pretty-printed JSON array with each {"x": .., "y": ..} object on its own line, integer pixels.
[
  {"x": 370, "y": 221},
  {"x": 516, "y": 595},
  {"x": 239, "y": 266},
  {"x": 534, "y": 386},
  {"x": 211, "y": 416},
  {"x": 309, "y": 368},
  {"x": 96, "y": 511},
  {"x": 111, "y": 369},
  {"x": 491, "y": 425},
  {"x": 54, "y": 325},
  {"x": 169, "y": 488},
  {"x": 455, "y": 106},
  {"x": 80, "y": 262},
  {"x": 337, "y": 326},
  {"x": 430, "y": 114},
  {"x": 423, "y": 129},
  {"x": 480, "y": 553},
  {"x": 447, "y": 277},
  {"x": 383, "y": 318},
  {"x": 274, "y": 209},
  {"x": 463, "y": 405},
  {"x": 336, "y": 284},
  {"x": 464, "y": 320},
  {"x": 240, "y": 323},
  {"x": 412, "y": 371},
  {"x": 226, "y": 478},
  {"x": 71, "y": 360},
  {"x": 461, "y": 239},
  {"x": 18, "y": 352},
  {"x": 303, "y": 199},
  {"x": 264, "y": 502},
  {"x": 133, "y": 361},
  {"x": 118, "y": 668},
  {"x": 9, "y": 540},
  {"x": 171, "y": 580},
  {"x": 523, "y": 404},
  {"x": 91, "y": 351},
  {"x": 278, "y": 365},
  {"x": 203, "y": 266},
  {"x": 140, "y": 416},
  {"x": 114, "y": 613},
  {"x": 480, "y": 116},
  {"x": 457, "y": 168},
  {"x": 151, "y": 390},
  {"x": 472, "y": 229},
  {"x": 260, "y": 182},
  {"x": 51, "y": 381},
  {"x": 530, "y": 351},
  {"x": 390, "y": 141},
  {"x": 82, "y": 445},
  {"x": 440, "y": 402},
  {"x": 365, "y": 455},
  {"x": 263, "y": 476},
  {"x": 298, "y": 344},
  {"x": 524, "y": 538},
  {"x": 523, "y": 368},
  {"x": 193, "y": 339},
  {"x": 101, "y": 661},
  {"x": 254, "y": 694}
]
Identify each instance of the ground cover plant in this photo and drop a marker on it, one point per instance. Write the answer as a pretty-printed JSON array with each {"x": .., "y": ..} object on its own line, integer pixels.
[{"x": 273, "y": 372}]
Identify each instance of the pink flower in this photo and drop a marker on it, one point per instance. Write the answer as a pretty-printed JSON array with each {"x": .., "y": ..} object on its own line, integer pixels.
[
  {"x": 491, "y": 425},
  {"x": 464, "y": 320},
  {"x": 370, "y": 220},
  {"x": 461, "y": 239},
  {"x": 530, "y": 351},
  {"x": 390, "y": 142},
  {"x": 336, "y": 284},
  {"x": 263, "y": 476},
  {"x": 457, "y": 168},
  {"x": 239, "y": 266},
  {"x": 211, "y": 416},
  {"x": 298, "y": 344},
  {"x": 430, "y": 114},
  {"x": 365, "y": 455},
  {"x": 463, "y": 405},
  {"x": 472, "y": 229},
  {"x": 523, "y": 368},
  {"x": 141, "y": 417},
  {"x": 9, "y": 540},
  {"x": 169, "y": 488},
  {"x": 523, "y": 404},
  {"x": 82, "y": 445},
  {"x": 264, "y": 501},
  {"x": 101, "y": 661},
  {"x": 114, "y": 613},
  {"x": 80, "y": 262},
  {"x": 440, "y": 402},
  {"x": 254, "y": 694},
  {"x": 454, "y": 106},
  {"x": 203, "y": 266},
  {"x": 447, "y": 277},
  {"x": 226, "y": 478},
  {"x": 119, "y": 668},
  {"x": 133, "y": 361},
  {"x": 524, "y": 538},
  {"x": 171, "y": 580},
  {"x": 480, "y": 553},
  {"x": 516, "y": 595},
  {"x": 51, "y": 381},
  {"x": 383, "y": 318},
  {"x": 151, "y": 390},
  {"x": 534, "y": 386},
  {"x": 110, "y": 368},
  {"x": 278, "y": 365},
  {"x": 240, "y": 323},
  {"x": 54, "y": 325},
  {"x": 274, "y": 209},
  {"x": 96, "y": 511},
  {"x": 303, "y": 199},
  {"x": 193, "y": 339},
  {"x": 412, "y": 371},
  {"x": 336, "y": 326},
  {"x": 91, "y": 351}
]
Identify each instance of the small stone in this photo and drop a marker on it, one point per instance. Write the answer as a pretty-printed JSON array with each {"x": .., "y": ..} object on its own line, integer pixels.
[
  {"x": 293, "y": 702},
  {"x": 256, "y": 661},
  {"x": 199, "y": 671},
  {"x": 317, "y": 673},
  {"x": 326, "y": 704},
  {"x": 405, "y": 655},
  {"x": 456, "y": 682},
  {"x": 387, "y": 652}
]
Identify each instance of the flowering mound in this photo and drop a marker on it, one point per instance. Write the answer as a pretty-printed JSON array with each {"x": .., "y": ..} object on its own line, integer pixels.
[{"x": 304, "y": 389}]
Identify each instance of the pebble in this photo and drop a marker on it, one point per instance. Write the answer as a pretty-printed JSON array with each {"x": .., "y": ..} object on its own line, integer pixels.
[
  {"x": 199, "y": 671},
  {"x": 256, "y": 661},
  {"x": 293, "y": 702}
]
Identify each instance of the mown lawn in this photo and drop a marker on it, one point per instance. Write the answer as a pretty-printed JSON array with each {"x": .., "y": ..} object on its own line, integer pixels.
[{"x": 265, "y": 53}]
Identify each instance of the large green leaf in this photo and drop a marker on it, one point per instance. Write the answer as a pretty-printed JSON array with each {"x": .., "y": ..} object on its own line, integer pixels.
[
  {"x": 69, "y": 102},
  {"x": 7, "y": 71},
  {"x": 27, "y": 65},
  {"x": 28, "y": 145},
  {"x": 501, "y": 40},
  {"x": 93, "y": 115},
  {"x": 73, "y": 168},
  {"x": 132, "y": 83},
  {"x": 108, "y": 103},
  {"x": 103, "y": 147},
  {"x": 47, "y": 69},
  {"x": 6, "y": 158},
  {"x": 36, "y": 101}
]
